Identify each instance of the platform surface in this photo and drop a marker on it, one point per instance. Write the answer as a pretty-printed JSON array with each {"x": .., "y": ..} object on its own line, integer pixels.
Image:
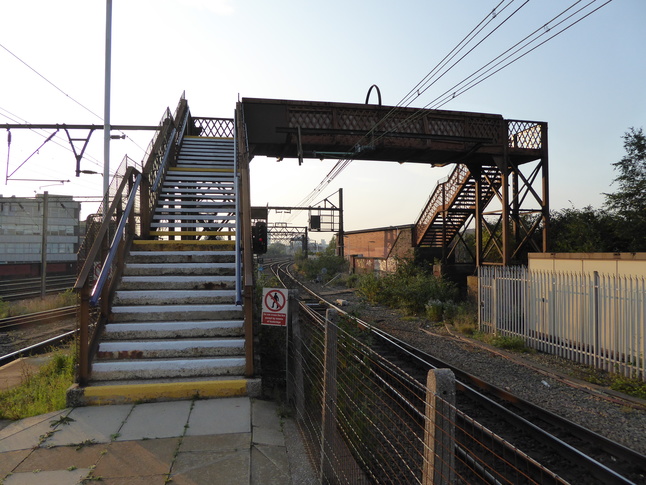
[{"x": 236, "y": 440}]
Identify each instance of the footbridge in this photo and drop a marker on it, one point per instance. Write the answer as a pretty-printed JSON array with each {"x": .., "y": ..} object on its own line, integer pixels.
[{"x": 166, "y": 280}]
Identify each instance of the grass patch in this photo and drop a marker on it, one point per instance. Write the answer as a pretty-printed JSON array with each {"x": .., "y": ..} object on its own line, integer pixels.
[
  {"x": 34, "y": 305},
  {"x": 627, "y": 385},
  {"x": 515, "y": 344},
  {"x": 41, "y": 392}
]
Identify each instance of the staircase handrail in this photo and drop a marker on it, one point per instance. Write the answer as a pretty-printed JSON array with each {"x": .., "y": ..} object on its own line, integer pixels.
[
  {"x": 118, "y": 247},
  {"x": 105, "y": 269},
  {"x": 444, "y": 191}
]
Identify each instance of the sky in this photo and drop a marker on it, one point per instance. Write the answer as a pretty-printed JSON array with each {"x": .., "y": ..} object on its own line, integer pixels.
[{"x": 587, "y": 83}]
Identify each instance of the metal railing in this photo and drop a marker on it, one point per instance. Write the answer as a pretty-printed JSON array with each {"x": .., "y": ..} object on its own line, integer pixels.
[{"x": 595, "y": 319}]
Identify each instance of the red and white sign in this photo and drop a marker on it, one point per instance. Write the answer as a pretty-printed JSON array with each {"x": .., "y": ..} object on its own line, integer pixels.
[{"x": 274, "y": 307}]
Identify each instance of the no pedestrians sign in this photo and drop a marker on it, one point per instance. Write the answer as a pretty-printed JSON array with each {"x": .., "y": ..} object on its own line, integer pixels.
[{"x": 274, "y": 307}]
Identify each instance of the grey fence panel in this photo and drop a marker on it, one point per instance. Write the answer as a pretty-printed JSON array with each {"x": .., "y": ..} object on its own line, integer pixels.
[{"x": 591, "y": 318}]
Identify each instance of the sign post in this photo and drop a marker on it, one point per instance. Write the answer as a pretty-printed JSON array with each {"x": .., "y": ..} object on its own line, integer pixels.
[{"x": 274, "y": 307}]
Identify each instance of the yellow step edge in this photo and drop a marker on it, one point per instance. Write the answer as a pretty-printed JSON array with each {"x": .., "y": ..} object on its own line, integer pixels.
[
  {"x": 192, "y": 233},
  {"x": 192, "y": 169},
  {"x": 127, "y": 393},
  {"x": 210, "y": 137}
]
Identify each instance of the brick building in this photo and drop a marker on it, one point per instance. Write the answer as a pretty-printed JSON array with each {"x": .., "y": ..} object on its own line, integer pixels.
[{"x": 378, "y": 250}]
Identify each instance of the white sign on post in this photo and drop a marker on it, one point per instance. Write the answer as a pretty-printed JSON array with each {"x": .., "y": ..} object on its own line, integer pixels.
[{"x": 274, "y": 307}]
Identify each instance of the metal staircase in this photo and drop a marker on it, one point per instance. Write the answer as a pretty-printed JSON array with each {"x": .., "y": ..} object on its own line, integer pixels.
[
  {"x": 176, "y": 313},
  {"x": 452, "y": 203}
]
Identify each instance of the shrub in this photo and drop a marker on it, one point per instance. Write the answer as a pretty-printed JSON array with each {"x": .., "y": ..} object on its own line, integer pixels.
[{"x": 410, "y": 288}]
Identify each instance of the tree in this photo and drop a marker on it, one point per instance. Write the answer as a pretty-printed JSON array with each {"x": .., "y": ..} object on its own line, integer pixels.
[
  {"x": 629, "y": 201},
  {"x": 586, "y": 230}
]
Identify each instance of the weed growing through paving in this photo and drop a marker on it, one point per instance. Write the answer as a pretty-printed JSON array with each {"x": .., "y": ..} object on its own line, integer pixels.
[{"x": 41, "y": 392}]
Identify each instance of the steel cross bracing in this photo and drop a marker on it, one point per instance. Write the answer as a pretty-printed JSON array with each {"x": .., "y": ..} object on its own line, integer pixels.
[{"x": 491, "y": 187}]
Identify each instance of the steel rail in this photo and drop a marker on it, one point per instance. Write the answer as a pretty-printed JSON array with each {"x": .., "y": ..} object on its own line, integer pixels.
[
  {"x": 5, "y": 359},
  {"x": 611, "y": 447},
  {"x": 39, "y": 317}
]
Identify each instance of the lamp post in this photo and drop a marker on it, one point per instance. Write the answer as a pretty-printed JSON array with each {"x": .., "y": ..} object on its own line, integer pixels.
[{"x": 106, "y": 105}]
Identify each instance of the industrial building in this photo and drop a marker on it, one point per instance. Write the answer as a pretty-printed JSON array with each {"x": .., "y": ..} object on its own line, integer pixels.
[{"x": 21, "y": 234}]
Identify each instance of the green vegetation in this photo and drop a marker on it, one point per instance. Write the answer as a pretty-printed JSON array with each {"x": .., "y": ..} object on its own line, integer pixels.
[
  {"x": 33, "y": 305},
  {"x": 412, "y": 289},
  {"x": 627, "y": 385},
  {"x": 621, "y": 224},
  {"x": 323, "y": 267},
  {"x": 42, "y": 392}
]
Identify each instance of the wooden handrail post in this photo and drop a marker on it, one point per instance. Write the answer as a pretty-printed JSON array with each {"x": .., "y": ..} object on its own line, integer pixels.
[
  {"x": 247, "y": 252},
  {"x": 439, "y": 432},
  {"x": 84, "y": 324}
]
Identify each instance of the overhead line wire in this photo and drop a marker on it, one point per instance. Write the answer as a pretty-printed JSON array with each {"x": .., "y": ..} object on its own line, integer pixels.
[
  {"x": 65, "y": 94},
  {"x": 450, "y": 94},
  {"x": 473, "y": 83},
  {"x": 341, "y": 165}
]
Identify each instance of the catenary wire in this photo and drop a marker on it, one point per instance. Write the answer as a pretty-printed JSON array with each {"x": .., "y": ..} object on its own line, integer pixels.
[{"x": 341, "y": 165}]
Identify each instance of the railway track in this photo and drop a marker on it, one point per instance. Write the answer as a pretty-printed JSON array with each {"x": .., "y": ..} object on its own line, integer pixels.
[
  {"x": 572, "y": 453},
  {"x": 38, "y": 331},
  {"x": 25, "y": 288}
]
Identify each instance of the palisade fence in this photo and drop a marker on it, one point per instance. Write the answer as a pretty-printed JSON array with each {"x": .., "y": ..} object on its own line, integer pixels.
[
  {"x": 595, "y": 319},
  {"x": 364, "y": 420}
]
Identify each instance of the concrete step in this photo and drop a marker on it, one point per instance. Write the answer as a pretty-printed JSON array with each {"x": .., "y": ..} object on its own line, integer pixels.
[
  {"x": 195, "y": 171},
  {"x": 173, "y": 330},
  {"x": 165, "y": 313},
  {"x": 211, "y": 216},
  {"x": 210, "y": 225},
  {"x": 174, "y": 212},
  {"x": 174, "y": 297},
  {"x": 197, "y": 194},
  {"x": 147, "y": 269},
  {"x": 170, "y": 349},
  {"x": 168, "y": 389},
  {"x": 181, "y": 256},
  {"x": 173, "y": 245},
  {"x": 173, "y": 178},
  {"x": 187, "y": 232},
  {"x": 186, "y": 282},
  {"x": 168, "y": 368}
]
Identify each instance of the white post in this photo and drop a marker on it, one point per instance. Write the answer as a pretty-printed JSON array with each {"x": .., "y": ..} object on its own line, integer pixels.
[{"x": 106, "y": 106}]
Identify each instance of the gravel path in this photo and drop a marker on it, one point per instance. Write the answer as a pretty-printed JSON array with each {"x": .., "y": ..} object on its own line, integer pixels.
[{"x": 536, "y": 377}]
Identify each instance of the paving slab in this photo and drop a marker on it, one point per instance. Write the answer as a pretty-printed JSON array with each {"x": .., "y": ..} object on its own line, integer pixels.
[
  {"x": 218, "y": 443},
  {"x": 265, "y": 414},
  {"x": 141, "y": 480},
  {"x": 10, "y": 460},
  {"x": 98, "y": 424},
  {"x": 220, "y": 416},
  {"x": 156, "y": 420},
  {"x": 57, "y": 477},
  {"x": 209, "y": 468},
  {"x": 134, "y": 458},
  {"x": 61, "y": 458},
  {"x": 29, "y": 432},
  {"x": 269, "y": 465}
]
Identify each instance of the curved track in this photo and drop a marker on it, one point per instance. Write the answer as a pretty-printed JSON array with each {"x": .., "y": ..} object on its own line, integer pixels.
[{"x": 586, "y": 455}]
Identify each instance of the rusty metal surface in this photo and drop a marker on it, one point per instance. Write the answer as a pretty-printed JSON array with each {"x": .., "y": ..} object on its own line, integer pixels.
[{"x": 285, "y": 129}]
